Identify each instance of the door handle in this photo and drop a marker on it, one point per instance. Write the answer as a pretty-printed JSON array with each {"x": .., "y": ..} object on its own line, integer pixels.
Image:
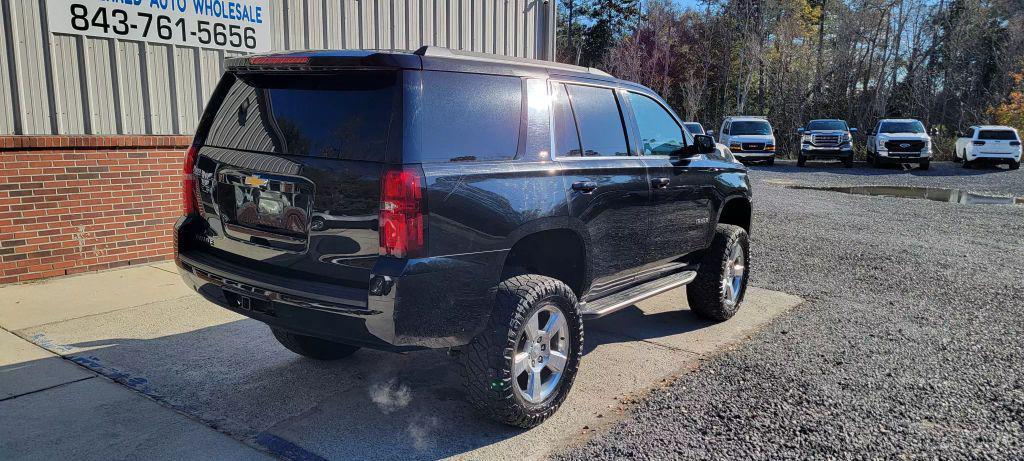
[
  {"x": 660, "y": 183},
  {"x": 584, "y": 186}
]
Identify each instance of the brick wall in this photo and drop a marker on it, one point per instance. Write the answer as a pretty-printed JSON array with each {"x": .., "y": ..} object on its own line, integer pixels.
[{"x": 72, "y": 204}]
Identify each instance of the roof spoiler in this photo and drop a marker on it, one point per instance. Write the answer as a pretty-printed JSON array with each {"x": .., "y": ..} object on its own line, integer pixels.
[{"x": 323, "y": 60}]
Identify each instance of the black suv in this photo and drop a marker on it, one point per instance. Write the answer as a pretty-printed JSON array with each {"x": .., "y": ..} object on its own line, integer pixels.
[{"x": 444, "y": 199}]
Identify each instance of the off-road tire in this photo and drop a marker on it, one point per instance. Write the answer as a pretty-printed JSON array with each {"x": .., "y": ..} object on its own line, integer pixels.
[
  {"x": 925, "y": 165},
  {"x": 314, "y": 348},
  {"x": 487, "y": 360},
  {"x": 770, "y": 162},
  {"x": 848, "y": 161},
  {"x": 705, "y": 293},
  {"x": 801, "y": 160},
  {"x": 1014, "y": 165}
]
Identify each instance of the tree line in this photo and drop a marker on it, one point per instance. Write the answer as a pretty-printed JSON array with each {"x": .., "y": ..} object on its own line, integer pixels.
[{"x": 949, "y": 63}]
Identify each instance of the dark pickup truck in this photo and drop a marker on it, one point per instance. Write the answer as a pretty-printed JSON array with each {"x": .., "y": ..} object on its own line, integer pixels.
[{"x": 445, "y": 199}]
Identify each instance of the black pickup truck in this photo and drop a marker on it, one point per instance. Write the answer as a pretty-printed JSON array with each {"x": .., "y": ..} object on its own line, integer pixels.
[{"x": 445, "y": 199}]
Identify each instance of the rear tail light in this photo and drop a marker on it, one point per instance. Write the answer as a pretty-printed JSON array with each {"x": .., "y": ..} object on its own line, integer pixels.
[
  {"x": 403, "y": 225},
  {"x": 979, "y": 143},
  {"x": 1014, "y": 143},
  {"x": 188, "y": 183}
]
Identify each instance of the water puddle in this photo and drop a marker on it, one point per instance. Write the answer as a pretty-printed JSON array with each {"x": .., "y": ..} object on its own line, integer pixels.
[{"x": 937, "y": 194}]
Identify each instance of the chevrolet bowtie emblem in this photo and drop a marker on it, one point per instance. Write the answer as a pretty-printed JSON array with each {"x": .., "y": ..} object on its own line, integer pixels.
[{"x": 255, "y": 181}]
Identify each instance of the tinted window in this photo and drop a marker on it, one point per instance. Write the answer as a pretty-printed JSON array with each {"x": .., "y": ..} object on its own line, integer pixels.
[
  {"x": 827, "y": 125},
  {"x": 599, "y": 121},
  {"x": 912, "y": 126},
  {"x": 757, "y": 127},
  {"x": 567, "y": 139},
  {"x": 998, "y": 135},
  {"x": 461, "y": 117},
  {"x": 694, "y": 128},
  {"x": 330, "y": 116},
  {"x": 658, "y": 130}
]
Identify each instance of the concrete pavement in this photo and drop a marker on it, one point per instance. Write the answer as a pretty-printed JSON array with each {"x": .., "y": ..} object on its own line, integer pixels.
[{"x": 205, "y": 372}]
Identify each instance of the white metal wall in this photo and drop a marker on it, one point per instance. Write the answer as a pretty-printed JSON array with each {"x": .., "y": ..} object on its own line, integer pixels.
[{"x": 65, "y": 84}]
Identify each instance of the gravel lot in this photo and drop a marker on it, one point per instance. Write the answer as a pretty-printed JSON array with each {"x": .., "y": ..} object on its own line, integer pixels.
[{"x": 911, "y": 343}]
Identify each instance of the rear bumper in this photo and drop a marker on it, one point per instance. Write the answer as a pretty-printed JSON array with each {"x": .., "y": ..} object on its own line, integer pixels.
[
  {"x": 433, "y": 302},
  {"x": 994, "y": 158}
]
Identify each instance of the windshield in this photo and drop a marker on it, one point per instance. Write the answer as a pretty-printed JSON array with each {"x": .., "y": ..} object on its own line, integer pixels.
[
  {"x": 750, "y": 127},
  {"x": 837, "y": 125},
  {"x": 912, "y": 126},
  {"x": 694, "y": 128},
  {"x": 998, "y": 135}
]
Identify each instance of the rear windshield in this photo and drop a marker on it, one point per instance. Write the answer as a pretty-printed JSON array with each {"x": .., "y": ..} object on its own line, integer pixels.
[
  {"x": 750, "y": 127},
  {"x": 817, "y": 125},
  {"x": 912, "y": 126},
  {"x": 337, "y": 116},
  {"x": 998, "y": 135}
]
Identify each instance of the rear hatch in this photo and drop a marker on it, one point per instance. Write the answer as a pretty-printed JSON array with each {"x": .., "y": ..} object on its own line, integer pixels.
[
  {"x": 998, "y": 142},
  {"x": 288, "y": 172}
]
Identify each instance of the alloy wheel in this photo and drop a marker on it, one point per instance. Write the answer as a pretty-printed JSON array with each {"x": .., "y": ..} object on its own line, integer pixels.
[
  {"x": 735, "y": 271},
  {"x": 542, "y": 352}
]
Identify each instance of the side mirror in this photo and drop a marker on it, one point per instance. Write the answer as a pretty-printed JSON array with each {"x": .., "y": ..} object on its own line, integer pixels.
[
  {"x": 705, "y": 144},
  {"x": 853, "y": 130},
  {"x": 711, "y": 132},
  {"x": 800, "y": 130}
]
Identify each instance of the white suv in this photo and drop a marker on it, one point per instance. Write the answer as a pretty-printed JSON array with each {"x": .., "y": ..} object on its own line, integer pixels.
[
  {"x": 749, "y": 138},
  {"x": 988, "y": 144}
]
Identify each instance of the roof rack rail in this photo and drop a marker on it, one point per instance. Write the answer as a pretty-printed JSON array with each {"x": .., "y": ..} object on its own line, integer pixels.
[{"x": 442, "y": 52}]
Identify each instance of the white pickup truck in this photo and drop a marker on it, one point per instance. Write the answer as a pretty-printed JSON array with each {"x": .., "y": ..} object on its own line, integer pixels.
[{"x": 899, "y": 141}]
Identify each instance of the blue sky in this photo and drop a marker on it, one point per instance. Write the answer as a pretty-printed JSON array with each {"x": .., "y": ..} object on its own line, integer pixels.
[{"x": 686, "y": 3}]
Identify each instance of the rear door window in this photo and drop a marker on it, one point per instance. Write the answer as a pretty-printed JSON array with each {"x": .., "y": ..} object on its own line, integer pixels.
[
  {"x": 599, "y": 120},
  {"x": 567, "y": 137},
  {"x": 464, "y": 117},
  {"x": 316, "y": 115}
]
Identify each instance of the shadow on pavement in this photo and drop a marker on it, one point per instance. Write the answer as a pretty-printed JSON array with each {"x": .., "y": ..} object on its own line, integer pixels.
[{"x": 236, "y": 378}]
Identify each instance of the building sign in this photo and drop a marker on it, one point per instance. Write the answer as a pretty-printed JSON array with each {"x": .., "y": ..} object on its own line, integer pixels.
[{"x": 236, "y": 25}]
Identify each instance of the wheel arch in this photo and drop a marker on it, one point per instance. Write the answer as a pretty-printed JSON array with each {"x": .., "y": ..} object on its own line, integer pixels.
[
  {"x": 736, "y": 210},
  {"x": 556, "y": 252}
]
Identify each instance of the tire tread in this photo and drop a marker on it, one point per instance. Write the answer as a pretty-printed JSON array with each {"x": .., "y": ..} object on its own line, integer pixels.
[
  {"x": 705, "y": 294},
  {"x": 485, "y": 359}
]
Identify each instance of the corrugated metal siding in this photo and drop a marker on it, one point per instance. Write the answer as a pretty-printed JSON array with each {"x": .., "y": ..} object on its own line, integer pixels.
[{"x": 64, "y": 84}]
